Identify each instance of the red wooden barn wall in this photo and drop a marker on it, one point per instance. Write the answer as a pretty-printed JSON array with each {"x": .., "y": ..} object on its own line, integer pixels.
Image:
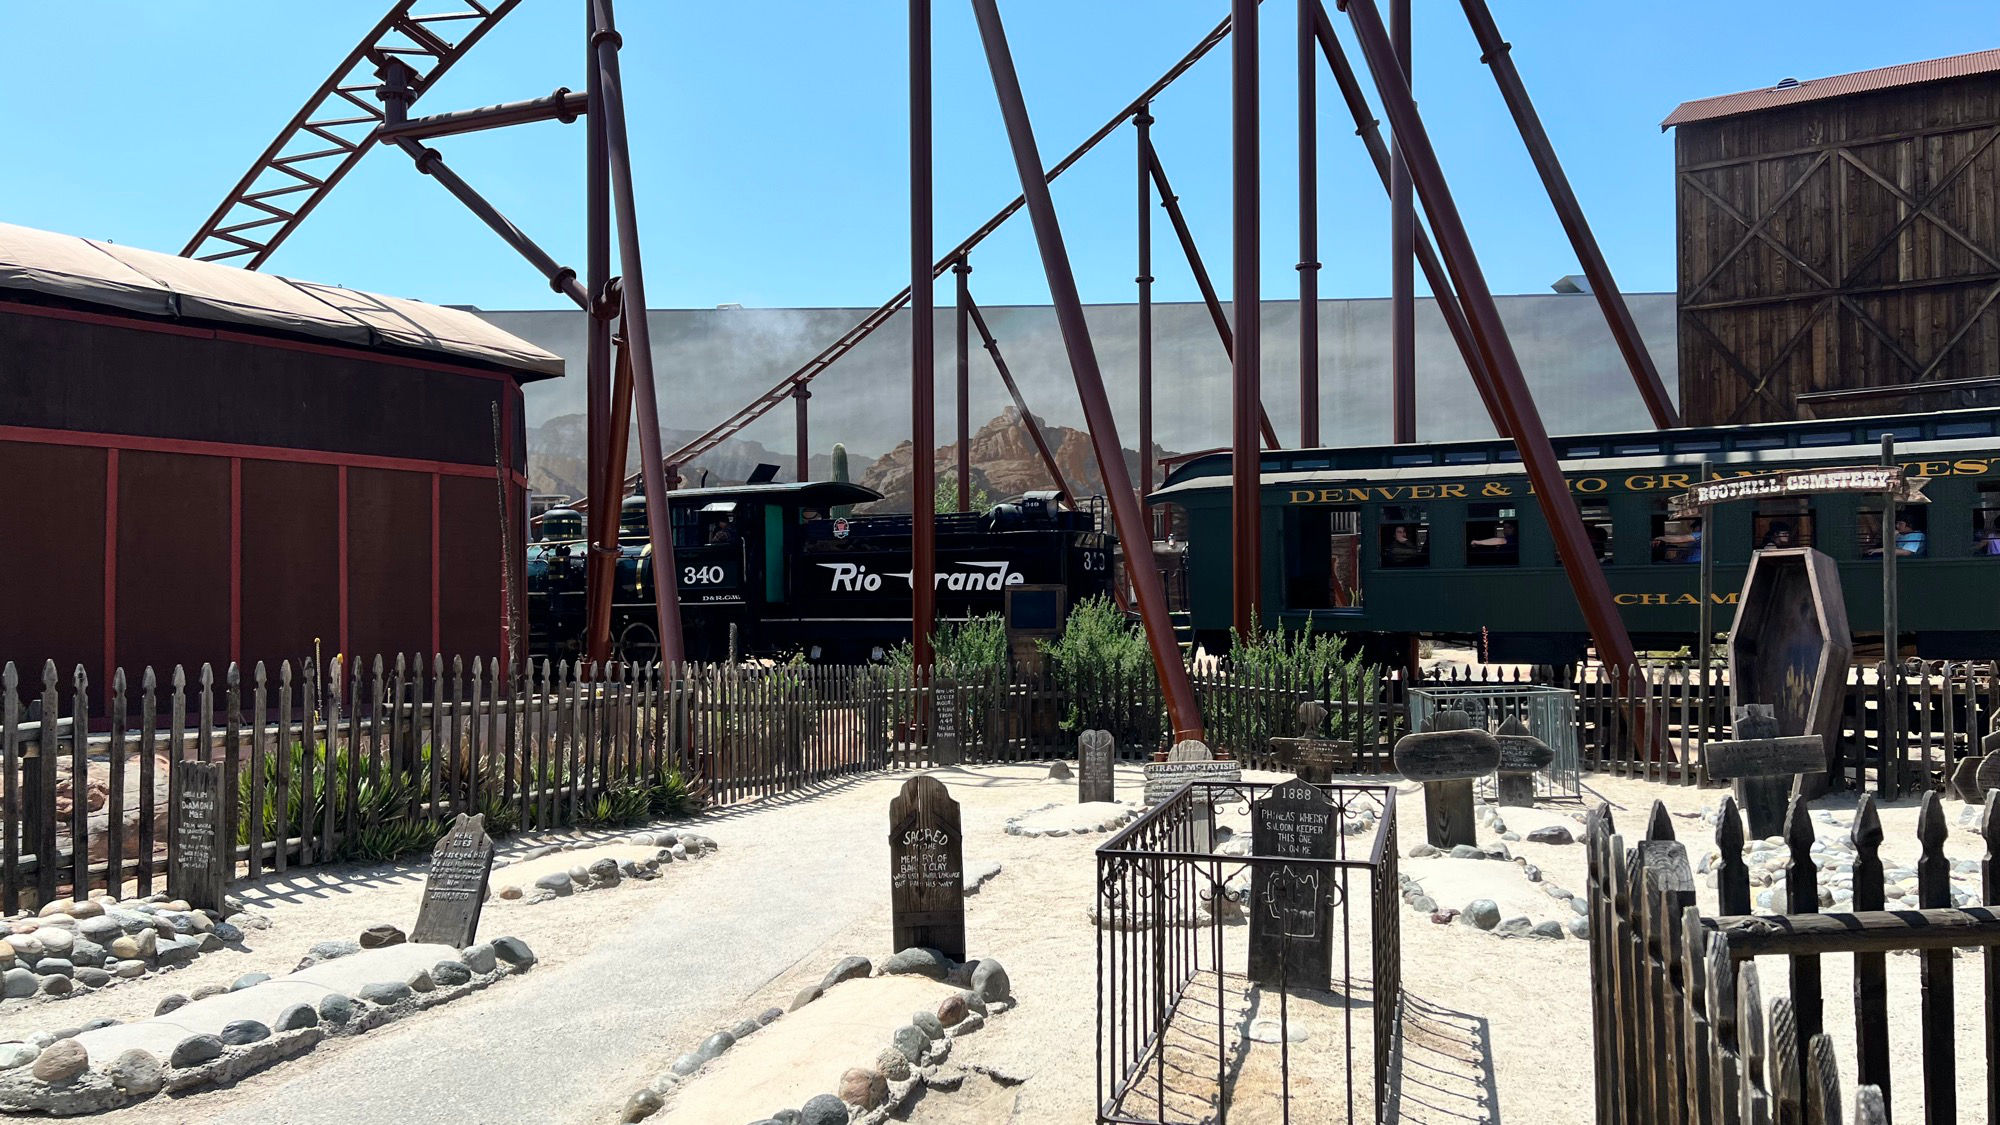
[{"x": 174, "y": 495}]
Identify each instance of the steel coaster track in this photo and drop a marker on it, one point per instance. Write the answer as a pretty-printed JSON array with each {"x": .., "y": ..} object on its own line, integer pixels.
[{"x": 326, "y": 138}]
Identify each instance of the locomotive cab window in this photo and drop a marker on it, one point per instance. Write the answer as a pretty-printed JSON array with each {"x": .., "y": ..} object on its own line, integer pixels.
[
  {"x": 1986, "y": 522},
  {"x": 1910, "y": 532},
  {"x": 1777, "y": 524},
  {"x": 1406, "y": 537},
  {"x": 1322, "y": 558},
  {"x": 1492, "y": 535},
  {"x": 1676, "y": 540}
]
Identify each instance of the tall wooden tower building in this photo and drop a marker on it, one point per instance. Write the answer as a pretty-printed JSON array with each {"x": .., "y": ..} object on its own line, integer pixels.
[{"x": 1840, "y": 244}]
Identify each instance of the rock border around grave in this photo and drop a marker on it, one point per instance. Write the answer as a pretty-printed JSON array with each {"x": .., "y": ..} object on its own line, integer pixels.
[
  {"x": 1014, "y": 823},
  {"x": 100, "y": 942},
  {"x": 59, "y": 1076},
  {"x": 914, "y": 1059},
  {"x": 673, "y": 846}
]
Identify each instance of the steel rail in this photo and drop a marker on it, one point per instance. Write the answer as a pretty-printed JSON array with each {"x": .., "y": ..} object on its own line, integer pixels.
[{"x": 342, "y": 101}]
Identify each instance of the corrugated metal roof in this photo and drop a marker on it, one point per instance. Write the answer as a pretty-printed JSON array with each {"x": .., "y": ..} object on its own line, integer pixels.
[
  {"x": 163, "y": 285},
  {"x": 1839, "y": 85}
]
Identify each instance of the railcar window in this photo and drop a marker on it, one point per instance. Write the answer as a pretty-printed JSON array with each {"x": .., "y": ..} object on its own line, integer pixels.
[
  {"x": 1782, "y": 523},
  {"x": 1637, "y": 448},
  {"x": 1597, "y": 524},
  {"x": 1964, "y": 429},
  {"x": 1706, "y": 445},
  {"x": 1492, "y": 535},
  {"x": 1828, "y": 437},
  {"x": 1902, "y": 433},
  {"x": 1403, "y": 459},
  {"x": 1911, "y": 533},
  {"x": 1676, "y": 541},
  {"x": 1584, "y": 451},
  {"x": 1466, "y": 457},
  {"x": 1765, "y": 441},
  {"x": 1986, "y": 522},
  {"x": 1406, "y": 537}
]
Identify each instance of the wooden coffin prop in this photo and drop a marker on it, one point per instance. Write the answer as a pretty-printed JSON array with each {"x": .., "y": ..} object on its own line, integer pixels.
[{"x": 1790, "y": 647}]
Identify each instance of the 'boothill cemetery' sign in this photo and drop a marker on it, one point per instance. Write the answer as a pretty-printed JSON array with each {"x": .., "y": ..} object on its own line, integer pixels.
[
  {"x": 926, "y": 869},
  {"x": 456, "y": 889},
  {"x": 199, "y": 863},
  {"x": 1801, "y": 482},
  {"x": 1291, "y": 905}
]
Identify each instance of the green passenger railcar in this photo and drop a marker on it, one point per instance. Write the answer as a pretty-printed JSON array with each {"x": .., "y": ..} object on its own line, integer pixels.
[{"x": 1446, "y": 539}]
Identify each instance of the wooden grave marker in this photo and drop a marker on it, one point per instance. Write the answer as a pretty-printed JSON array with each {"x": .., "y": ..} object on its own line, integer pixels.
[
  {"x": 947, "y": 745},
  {"x": 456, "y": 888},
  {"x": 1762, "y": 764},
  {"x": 1189, "y": 760},
  {"x": 1446, "y": 759},
  {"x": 1522, "y": 755},
  {"x": 926, "y": 869},
  {"x": 200, "y": 862},
  {"x": 1291, "y": 906},
  {"x": 1094, "y": 751}
]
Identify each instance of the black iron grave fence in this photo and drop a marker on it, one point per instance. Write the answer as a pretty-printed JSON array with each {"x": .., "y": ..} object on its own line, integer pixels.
[{"x": 1230, "y": 916}]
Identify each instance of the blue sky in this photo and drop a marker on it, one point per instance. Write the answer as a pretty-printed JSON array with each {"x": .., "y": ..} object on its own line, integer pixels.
[{"x": 771, "y": 147}]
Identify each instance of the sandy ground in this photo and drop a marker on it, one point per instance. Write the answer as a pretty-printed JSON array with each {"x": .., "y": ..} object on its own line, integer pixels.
[
  {"x": 806, "y": 1052},
  {"x": 1497, "y": 1029}
]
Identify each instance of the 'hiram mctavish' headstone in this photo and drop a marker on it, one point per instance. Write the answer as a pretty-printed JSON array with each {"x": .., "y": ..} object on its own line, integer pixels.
[
  {"x": 1291, "y": 905},
  {"x": 199, "y": 863},
  {"x": 1446, "y": 759},
  {"x": 926, "y": 869},
  {"x": 456, "y": 888},
  {"x": 1094, "y": 750},
  {"x": 1189, "y": 760}
]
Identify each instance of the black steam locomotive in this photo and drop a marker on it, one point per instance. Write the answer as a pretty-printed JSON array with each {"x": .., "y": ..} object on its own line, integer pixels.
[{"x": 791, "y": 573}]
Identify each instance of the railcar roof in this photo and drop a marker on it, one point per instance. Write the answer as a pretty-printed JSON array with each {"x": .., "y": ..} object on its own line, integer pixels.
[
  {"x": 153, "y": 284},
  {"x": 826, "y": 492},
  {"x": 1855, "y": 439}
]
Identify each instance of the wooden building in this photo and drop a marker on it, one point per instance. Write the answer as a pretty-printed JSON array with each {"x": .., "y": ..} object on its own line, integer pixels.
[
  {"x": 1840, "y": 244},
  {"x": 203, "y": 464}
]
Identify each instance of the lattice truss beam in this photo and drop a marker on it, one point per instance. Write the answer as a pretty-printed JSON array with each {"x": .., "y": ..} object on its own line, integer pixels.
[
  {"x": 1793, "y": 221},
  {"x": 326, "y": 138}
]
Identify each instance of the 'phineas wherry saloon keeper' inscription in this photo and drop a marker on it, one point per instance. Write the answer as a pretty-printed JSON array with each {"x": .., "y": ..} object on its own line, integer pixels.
[
  {"x": 1291, "y": 905},
  {"x": 927, "y": 869}
]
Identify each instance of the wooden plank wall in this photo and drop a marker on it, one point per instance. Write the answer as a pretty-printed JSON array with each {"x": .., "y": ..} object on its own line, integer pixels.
[{"x": 1849, "y": 242}]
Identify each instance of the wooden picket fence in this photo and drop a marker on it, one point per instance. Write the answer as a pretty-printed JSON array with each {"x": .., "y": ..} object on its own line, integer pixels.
[
  {"x": 1902, "y": 728},
  {"x": 313, "y": 762},
  {"x": 1681, "y": 1032}
]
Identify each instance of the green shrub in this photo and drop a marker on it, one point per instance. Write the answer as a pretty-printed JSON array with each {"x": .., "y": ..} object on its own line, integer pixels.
[
  {"x": 1102, "y": 663},
  {"x": 670, "y": 794},
  {"x": 1271, "y": 672},
  {"x": 616, "y": 807}
]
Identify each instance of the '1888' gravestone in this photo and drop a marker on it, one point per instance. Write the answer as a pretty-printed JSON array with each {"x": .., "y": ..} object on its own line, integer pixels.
[
  {"x": 926, "y": 869},
  {"x": 199, "y": 863},
  {"x": 1094, "y": 749},
  {"x": 456, "y": 888},
  {"x": 1291, "y": 905}
]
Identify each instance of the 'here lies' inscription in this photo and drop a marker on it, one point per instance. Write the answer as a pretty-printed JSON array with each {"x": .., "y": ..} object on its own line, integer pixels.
[
  {"x": 456, "y": 888},
  {"x": 199, "y": 863}
]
